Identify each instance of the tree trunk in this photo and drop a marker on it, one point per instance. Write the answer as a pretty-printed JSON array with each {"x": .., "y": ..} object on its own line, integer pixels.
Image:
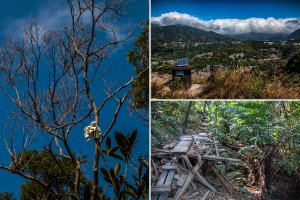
[
  {"x": 186, "y": 119},
  {"x": 95, "y": 170}
]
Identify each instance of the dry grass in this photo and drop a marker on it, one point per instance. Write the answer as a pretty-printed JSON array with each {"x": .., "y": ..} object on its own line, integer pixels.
[
  {"x": 202, "y": 79},
  {"x": 241, "y": 84},
  {"x": 238, "y": 84}
]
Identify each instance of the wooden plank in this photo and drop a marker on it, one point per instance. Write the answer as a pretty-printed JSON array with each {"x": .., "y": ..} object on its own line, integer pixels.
[
  {"x": 203, "y": 180},
  {"x": 160, "y": 189},
  {"x": 162, "y": 178},
  {"x": 198, "y": 176},
  {"x": 182, "y": 147},
  {"x": 187, "y": 161},
  {"x": 169, "y": 167},
  {"x": 163, "y": 186},
  {"x": 212, "y": 157},
  {"x": 201, "y": 135},
  {"x": 202, "y": 139},
  {"x": 190, "y": 167},
  {"x": 154, "y": 167},
  {"x": 187, "y": 183},
  {"x": 154, "y": 197},
  {"x": 192, "y": 195},
  {"x": 159, "y": 154},
  {"x": 229, "y": 187},
  {"x": 186, "y": 138},
  {"x": 181, "y": 180},
  {"x": 216, "y": 147},
  {"x": 209, "y": 143},
  {"x": 205, "y": 195},
  {"x": 169, "y": 178},
  {"x": 220, "y": 150},
  {"x": 160, "y": 150},
  {"x": 163, "y": 196}
]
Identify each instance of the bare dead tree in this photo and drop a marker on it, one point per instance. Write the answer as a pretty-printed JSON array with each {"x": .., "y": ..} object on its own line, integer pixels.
[{"x": 73, "y": 59}]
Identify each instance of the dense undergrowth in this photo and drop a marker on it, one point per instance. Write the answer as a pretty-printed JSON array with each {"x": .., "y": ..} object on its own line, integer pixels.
[{"x": 264, "y": 134}]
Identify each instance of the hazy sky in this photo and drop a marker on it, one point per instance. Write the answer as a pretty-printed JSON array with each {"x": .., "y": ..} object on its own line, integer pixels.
[
  {"x": 53, "y": 15},
  {"x": 229, "y": 17}
]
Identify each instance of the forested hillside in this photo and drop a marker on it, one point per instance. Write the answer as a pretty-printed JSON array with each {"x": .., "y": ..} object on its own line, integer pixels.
[{"x": 265, "y": 135}]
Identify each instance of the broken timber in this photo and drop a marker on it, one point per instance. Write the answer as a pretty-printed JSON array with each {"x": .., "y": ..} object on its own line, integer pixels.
[
  {"x": 212, "y": 157},
  {"x": 229, "y": 187},
  {"x": 187, "y": 183},
  {"x": 163, "y": 186},
  {"x": 188, "y": 155},
  {"x": 182, "y": 146}
]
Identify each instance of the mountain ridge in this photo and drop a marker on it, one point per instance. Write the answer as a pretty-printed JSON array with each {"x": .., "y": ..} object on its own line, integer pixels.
[
  {"x": 179, "y": 33},
  {"x": 294, "y": 35}
]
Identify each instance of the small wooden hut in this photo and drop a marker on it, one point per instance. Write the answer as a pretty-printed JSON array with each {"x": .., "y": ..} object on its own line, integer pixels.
[{"x": 182, "y": 74}]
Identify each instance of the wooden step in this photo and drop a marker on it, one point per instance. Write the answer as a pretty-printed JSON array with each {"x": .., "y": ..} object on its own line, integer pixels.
[{"x": 182, "y": 146}]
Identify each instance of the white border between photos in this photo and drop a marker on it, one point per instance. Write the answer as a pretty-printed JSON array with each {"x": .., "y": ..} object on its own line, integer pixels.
[{"x": 150, "y": 118}]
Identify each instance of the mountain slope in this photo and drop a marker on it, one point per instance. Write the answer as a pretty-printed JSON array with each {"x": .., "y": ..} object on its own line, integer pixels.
[
  {"x": 260, "y": 36},
  {"x": 178, "y": 33},
  {"x": 294, "y": 35}
]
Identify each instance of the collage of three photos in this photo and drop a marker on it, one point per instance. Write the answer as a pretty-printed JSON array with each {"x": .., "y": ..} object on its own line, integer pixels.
[{"x": 158, "y": 99}]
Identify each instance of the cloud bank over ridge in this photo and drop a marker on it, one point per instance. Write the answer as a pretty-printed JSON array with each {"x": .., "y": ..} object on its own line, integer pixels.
[{"x": 230, "y": 26}]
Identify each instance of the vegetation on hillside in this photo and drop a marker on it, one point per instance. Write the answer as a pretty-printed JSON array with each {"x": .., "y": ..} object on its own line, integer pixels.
[{"x": 237, "y": 69}]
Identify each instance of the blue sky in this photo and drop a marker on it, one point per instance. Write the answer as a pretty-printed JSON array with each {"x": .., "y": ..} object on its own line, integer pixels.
[
  {"x": 15, "y": 14},
  {"x": 229, "y": 17},
  {"x": 222, "y": 9}
]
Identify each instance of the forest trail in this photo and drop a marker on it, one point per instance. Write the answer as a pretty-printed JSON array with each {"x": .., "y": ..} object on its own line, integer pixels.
[
  {"x": 190, "y": 169},
  {"x": 264, "y": 135}
]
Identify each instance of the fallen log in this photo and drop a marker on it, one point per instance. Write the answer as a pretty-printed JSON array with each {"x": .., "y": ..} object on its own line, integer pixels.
[
  {"x": 229, "y": 187},
  {"x": 217, "y": 158}
]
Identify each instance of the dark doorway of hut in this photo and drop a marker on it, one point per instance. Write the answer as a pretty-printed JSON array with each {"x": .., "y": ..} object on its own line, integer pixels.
[{"x": 181, "y": 74}]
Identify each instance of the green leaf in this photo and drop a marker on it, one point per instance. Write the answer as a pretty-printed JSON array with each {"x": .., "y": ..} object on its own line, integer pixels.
[
  {"x": 136, "y": 179},
  {"x": 112, "y": 174},
  {"x": 87, "y": 192},
  {"x": 116, "y": 156},
  {"x": 114, "y": 149},
  {"x": 120, "y": 138},
  {"x": 108, "y": 144},
  {"x": 117, "y": 169},
  {"x": 104, "y": 172},
  {"x": 132, "y": 138}
]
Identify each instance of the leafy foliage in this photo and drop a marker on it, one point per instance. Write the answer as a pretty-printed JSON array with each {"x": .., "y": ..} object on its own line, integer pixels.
[
  {"x": 293, "y": 64},
  {"x": 6, "y": 196},
  {"x": 124, "y": 189},
  {"x": 59, "y": 172},
  {"x": 139, "y": 57}
]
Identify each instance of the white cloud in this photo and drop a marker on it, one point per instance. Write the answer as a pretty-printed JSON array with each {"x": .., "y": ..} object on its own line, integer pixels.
[
  {"x": 51, "y": 16},
  {"x": 55, "y": 16},
  {"x": 231, "y": 26}
]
